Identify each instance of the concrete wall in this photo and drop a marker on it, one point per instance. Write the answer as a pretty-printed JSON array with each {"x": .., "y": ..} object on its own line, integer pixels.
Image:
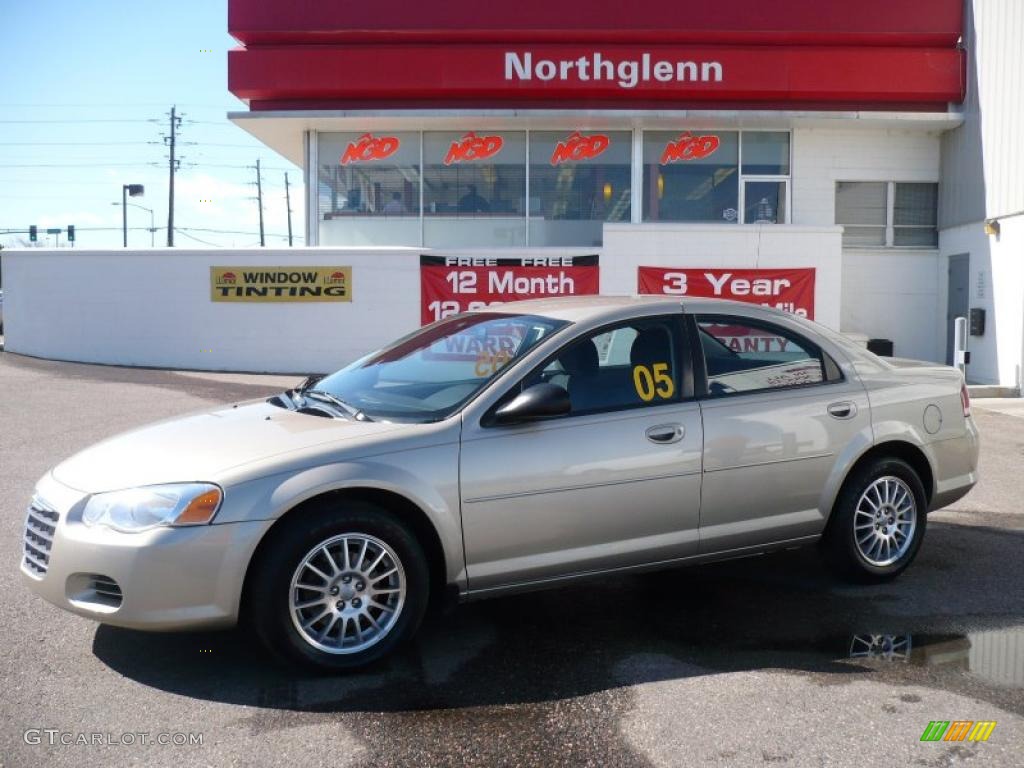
[
  {"x": 823, "y": 156},
  {"x": 628, "y": 246},
  {"x": 153, "y": 308},
  {"x": 897, "y": 294},
  {"x": 890, "y": 293},
  {"x": 995, "y": 283},
  {"x": 982, "y": 159}
]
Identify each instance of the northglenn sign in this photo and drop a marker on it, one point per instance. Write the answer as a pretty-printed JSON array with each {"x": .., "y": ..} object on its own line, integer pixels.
[
  {"x": 626, "y": 73},
  {"x": 307, "y": 76}
]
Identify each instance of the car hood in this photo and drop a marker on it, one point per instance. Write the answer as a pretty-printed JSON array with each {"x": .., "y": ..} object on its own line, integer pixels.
[{"x": 202, "y": 446}]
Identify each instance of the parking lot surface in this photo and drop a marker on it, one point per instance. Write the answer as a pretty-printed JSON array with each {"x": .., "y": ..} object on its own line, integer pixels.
[{"x": 764, "y": 661}]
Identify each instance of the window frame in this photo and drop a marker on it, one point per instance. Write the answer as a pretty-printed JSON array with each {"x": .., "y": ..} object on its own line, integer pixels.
[
  {"x": 890, "y": 225},
  {"x": 831, "y": 372},
  {"x": 687, "y": 392}
]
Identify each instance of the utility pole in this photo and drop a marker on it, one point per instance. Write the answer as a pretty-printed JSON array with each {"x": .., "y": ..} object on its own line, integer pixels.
[
  {"x": 288, "y": 205},
  {"x": 259, "y": 200},
  {"x": 172, "y": 166}
]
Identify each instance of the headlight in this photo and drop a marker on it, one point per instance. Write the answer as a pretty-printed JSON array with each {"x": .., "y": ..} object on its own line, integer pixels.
[{"x": 139, "y": 509}]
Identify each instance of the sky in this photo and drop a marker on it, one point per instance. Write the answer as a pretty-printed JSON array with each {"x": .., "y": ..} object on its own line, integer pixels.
[{"x": 85, "y": 92}]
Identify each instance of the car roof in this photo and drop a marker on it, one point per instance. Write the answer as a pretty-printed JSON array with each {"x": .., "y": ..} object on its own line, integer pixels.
[{"x": 589, "y": 308}]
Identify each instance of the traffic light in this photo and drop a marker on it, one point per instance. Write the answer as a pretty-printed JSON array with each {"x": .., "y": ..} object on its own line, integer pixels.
[
  {"x": 33, "y": 234},
  {"x": 71, "y": 233}
]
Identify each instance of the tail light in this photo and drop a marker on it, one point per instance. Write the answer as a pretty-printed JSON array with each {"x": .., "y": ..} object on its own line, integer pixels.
[{"x": 965, "y": 400}]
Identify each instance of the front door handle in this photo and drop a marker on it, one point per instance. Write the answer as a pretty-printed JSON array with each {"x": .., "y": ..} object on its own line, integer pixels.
[
  {"x": 666, "y": 433},
  {"x": 844, "y": 410}
]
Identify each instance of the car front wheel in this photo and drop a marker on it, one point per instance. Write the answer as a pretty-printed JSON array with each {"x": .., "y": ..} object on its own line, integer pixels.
[
  {"x": 878, "y": 522},
  {"x": 339, "y": 588}
]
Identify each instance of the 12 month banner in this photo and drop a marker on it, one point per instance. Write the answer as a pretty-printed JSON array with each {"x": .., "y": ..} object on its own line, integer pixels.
[
  {"x": 453, "y": 284},
  {"x": 277, "y": 284},
  {"x": 791, "y": 290}
]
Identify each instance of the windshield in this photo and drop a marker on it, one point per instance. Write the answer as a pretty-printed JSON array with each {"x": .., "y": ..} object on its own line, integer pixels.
[{"x": 429, "y": 374}]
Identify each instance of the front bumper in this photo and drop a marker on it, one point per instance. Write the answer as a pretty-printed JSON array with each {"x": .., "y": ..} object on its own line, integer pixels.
[{"x": 169, "y": 578}]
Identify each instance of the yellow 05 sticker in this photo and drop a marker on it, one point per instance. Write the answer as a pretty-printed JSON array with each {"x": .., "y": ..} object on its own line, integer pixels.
[{"x": 653, "y": 381}]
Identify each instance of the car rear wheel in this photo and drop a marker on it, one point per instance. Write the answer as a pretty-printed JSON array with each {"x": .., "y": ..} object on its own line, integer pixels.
[
  {"x": 339, "y": 588},
  {"x": 878, "y": 522}
]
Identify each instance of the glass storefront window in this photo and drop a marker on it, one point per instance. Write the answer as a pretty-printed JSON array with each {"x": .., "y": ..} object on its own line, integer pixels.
[
  {"x": 369, "y": 174},
  {"x": 578, "y": 179},
  {"x": 766, "y": 153},
  {"x": 477, "y": 190},
  {"x": 764, "y": 202},
  {"x": 474, "y": 188},
  {"x": 474, "y": 173},
  {"x": 691, "y": 176}
]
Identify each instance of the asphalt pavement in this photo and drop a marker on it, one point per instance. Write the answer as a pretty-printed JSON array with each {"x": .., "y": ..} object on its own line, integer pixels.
[{"x": 764, "y": 661}]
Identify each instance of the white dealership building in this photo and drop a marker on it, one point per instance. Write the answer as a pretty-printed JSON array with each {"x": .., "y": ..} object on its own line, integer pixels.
[{"x": 862, "y": 160}]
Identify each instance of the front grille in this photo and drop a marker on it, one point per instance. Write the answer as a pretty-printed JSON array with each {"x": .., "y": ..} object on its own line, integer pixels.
[{"x": 40, "y": 526}]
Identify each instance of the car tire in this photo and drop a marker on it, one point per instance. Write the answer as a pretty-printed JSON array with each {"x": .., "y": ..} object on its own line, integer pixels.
[
  {"x": 286, "y": 595},
  {"x": 877, "y": 523}
]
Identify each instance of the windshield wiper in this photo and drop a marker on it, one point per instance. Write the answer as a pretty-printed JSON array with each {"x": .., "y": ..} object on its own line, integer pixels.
[{"x": 319, "y": 394}]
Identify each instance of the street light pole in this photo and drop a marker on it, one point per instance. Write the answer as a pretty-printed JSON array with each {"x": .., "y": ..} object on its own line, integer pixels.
[
  {"x": 135, "y": 190},
  {"x": 152, "y": 221},
  {"x": 124, "y": 214}
]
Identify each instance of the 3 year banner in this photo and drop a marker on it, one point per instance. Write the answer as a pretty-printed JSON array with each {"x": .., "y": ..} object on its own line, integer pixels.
[
  {"x": 453, "y": 284},
  {"x": 791, "y": 290}
]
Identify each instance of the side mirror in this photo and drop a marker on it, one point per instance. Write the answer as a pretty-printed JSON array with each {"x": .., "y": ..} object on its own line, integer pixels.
[{"x": 541, "y": 401}]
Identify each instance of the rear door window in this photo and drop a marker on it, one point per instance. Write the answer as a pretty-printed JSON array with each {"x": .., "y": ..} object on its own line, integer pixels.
[{"x": 743, "y": 355}]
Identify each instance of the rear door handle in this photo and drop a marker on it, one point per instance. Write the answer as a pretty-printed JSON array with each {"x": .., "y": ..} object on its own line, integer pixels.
[
  {"x": 844, "y": 410},
  {"x": 666, "y": 433}
]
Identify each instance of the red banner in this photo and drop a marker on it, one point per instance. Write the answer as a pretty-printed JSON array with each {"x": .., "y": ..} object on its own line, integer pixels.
[
  {"x": 791, "y": 290},
  {"x": 453, "y": 284}
]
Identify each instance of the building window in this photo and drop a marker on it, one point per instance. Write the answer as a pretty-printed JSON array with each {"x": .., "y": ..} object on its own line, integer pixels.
[
  {"x": 860, "y": 208},
  {"x": 691, "y": 176},
  {"x": 474, "y": 174},
  {"x": 578, "y": 180},
  {"x": 764, "y": 160},
  {"x": 474, "y": 188},
  {"x": 915, "y": 215},
  {"x": 369, "y": 174},
  {"x": 882, "y": 214}
]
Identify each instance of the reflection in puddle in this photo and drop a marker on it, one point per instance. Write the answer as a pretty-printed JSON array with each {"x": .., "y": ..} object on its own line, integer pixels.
[{"x": 996, "y": 656}]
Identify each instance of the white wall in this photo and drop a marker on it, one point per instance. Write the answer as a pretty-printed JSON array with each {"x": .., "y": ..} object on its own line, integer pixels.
[
  {"x": 996, "y": 283},
  {"x": 822, "y": 156},
  {"x": 153, "y": 308},
  {"x": 627, "y": 246},
  {"x": 897, "y": 294},
  {"x": 894, "y": 293}
]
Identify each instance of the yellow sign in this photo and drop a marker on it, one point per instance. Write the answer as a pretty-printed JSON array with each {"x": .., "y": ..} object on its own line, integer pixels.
[
  {"x": 281, "y": 283},
  {"x": 653, "y": 381}
]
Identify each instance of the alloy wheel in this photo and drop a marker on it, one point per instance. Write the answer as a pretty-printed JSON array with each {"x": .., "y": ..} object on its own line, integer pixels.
[
  {"x": 347, "y": 593},
  {"x": 884, "y": 521}
]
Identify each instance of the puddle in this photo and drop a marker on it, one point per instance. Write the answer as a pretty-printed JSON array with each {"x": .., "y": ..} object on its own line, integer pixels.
[{"x": 996, "y": 656}]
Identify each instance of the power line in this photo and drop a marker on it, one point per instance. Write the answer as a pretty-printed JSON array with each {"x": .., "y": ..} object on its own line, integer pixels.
[
  {"x": 181, "y": 231},
  {"x": 66, "y": 122},
  {"x": 74, "y": 165},
  {"x": 73, "y": 143}
]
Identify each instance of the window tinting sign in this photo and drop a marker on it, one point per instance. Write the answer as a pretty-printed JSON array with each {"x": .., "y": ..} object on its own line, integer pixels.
[
  {"x": 472, "y": 148},
  {"x": 578, "y": 147},
  {"x": 285, "y": 283},
  {"x": 689, "y": 147},
  {"x": 368, "y": 148}
]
